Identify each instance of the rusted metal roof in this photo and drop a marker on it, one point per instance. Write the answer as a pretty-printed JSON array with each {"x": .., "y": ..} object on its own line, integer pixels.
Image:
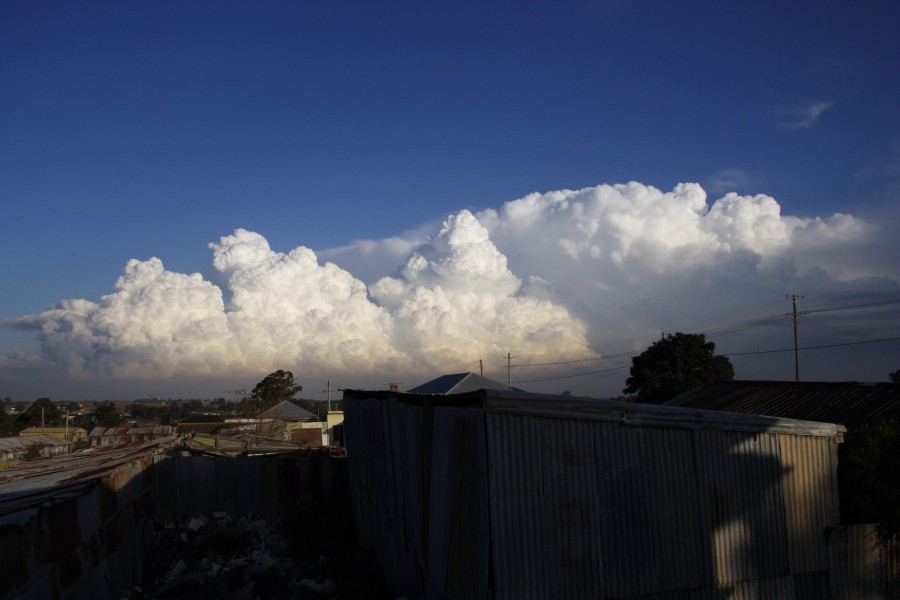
[
  {"x": 158, "y": 430},
  {"x": 848, "y": 403},
  {"x": 25, "y": 487}
]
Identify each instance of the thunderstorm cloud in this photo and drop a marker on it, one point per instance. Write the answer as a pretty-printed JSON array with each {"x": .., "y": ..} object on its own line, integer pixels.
[{"x": 558, "y": 276}]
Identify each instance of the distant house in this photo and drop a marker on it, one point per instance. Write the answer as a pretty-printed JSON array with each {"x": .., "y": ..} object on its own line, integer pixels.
[
  {"x": 16, "y": 448},
  {"x": 459, "y": 383},
  {"x": 289, "y": 411},
  {"x": 71, "y": 434},
  {"x": 334, "y": 429},
  {"x": 113, "y": 436},
  {"x": 287, "y": 421}
]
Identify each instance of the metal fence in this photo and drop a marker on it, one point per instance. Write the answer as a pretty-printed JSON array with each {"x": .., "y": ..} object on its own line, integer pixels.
[{"x": 81, "y": 526}]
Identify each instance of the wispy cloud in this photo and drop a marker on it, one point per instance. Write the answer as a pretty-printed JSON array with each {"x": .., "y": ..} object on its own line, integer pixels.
[
  {"x": 805, "y": 116},
  {"x": 887, "y": 167},
  {"x": 732, "y": 179}
]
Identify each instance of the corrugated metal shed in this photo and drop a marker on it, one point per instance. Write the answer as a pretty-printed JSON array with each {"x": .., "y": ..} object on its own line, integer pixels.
[
  {"x": 512, "y": 495},
  {"x": 849, "y": 403}
]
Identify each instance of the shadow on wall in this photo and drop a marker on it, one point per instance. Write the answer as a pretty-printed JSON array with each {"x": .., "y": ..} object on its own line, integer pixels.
[
  {"x": 656, "y": 510},
  {"x": 514, "y": 497}
]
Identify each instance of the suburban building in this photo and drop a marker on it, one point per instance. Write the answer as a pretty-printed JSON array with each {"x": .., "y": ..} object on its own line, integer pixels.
[
  {"x": 13, "y": 449},
  {"x": 112, "y": 436},
  {"x": 289, "y": 422},
  {"x": 72, "y": 434}
]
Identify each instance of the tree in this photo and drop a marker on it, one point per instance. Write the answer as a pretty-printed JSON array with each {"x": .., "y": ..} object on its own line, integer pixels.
[
  {"x": 674, "y": 364},
  {"x": 275, "y": 388},
  {"x": 895, "y": 377},
  {"x": 7, "y": 427},
  {"x": 40, "y": 410},
  {"x": 107, "y": 415},
  {"x": 868, "y": 463}
]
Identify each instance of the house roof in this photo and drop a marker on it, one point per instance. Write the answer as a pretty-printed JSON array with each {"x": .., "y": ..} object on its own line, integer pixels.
[
  {"x": 287, "y": 410},
  {"x": 459, "y": 383},
  {"x": 38, "y": 430},
  {"x": 849, "y": 403},
  {"x": 158, "y": 430}
]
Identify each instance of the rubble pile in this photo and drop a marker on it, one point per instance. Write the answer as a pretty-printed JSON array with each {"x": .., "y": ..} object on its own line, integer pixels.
[{"x": 230, "y": 557}]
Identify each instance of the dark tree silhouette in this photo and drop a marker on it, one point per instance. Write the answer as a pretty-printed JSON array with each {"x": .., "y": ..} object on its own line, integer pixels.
[
  {"x": 275, "y": 388},
  {"x": 869, "y": 461},
  {"x": 31, "y": 417},
  {"x": 7, "y": 426},
  {"x": 674, "y": 364},
  {"x": 107, "y": 415}
]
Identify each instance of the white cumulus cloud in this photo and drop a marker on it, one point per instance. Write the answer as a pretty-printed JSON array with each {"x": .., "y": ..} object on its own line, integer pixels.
[{"x": 559, "y": 276}]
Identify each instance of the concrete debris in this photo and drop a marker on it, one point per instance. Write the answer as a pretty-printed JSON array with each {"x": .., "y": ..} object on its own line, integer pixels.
[
  {"x": 239, "y": 558},
  {"x": 197, "y": 523},
  {"x": 328, "y": 587},
  {"x": 177, "y": 570}
]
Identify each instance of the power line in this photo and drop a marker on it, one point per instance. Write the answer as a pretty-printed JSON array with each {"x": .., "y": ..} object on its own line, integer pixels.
[
  {"x": 735, "y": 329},
  {"x": 619, "y": 368},
  {"x": 744, "y": 327},
  {"x": 852, "y": 306},
  {"x": 575, "y": 375},
  {"x": 893, "y": 339},
  {"x": 562, "y": 362}
]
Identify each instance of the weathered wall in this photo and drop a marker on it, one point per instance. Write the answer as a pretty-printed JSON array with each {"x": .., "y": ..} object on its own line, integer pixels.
[
  {"x": 479, "y": 496},
  {"x": 90, "y": 539}
]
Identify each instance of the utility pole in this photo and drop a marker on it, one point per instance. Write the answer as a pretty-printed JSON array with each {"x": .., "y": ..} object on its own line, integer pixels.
[
  {"x": 795, "y": 316},
  {"x": 481, "y": 367},
  {"x": 509, "y": 358},
  {"x": 328, "y": 388}
]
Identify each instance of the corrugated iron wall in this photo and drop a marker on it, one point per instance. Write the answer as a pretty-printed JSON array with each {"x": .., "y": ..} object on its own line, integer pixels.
[
  {"x": 90, "y": 539},
  {"x": 468, "y": 502},
  {"x": 198, "y": 484}
]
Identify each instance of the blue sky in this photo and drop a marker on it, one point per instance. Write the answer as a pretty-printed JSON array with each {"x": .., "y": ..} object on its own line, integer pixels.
[{"x": 151, "y": 129}]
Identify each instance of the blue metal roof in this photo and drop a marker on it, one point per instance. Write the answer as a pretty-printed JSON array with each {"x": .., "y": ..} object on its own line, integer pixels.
[{"x": 459, "y": 383}]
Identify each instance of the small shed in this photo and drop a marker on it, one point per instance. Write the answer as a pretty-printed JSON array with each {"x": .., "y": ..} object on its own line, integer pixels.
[
  {"x": 71, "y": 434},
  {"x": 17, "y": 448},
  {"x": 509, "y": 495},
  {"x": 113, "y": 436}
]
